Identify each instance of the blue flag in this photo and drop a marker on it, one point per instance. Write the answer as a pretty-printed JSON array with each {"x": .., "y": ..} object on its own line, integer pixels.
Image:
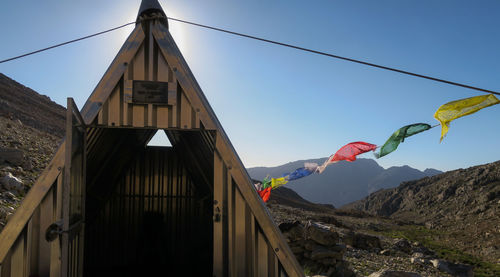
[{"x": 298, "y": 173}]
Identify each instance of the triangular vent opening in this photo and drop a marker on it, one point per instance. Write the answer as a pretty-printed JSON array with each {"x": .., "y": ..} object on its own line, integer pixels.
[{"x": 160, "y": 139}]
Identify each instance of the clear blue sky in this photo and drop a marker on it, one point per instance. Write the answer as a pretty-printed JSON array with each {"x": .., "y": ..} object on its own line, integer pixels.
[{"x": 277, "y": 104}]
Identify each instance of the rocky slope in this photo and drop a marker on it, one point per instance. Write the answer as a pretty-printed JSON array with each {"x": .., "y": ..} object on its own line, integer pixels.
[
  {"x": 31, "y": 128},
  {"x": 350, "y": 243},
  {"x": 343, "y": 182},
  {"x": 461, "y": 206}
]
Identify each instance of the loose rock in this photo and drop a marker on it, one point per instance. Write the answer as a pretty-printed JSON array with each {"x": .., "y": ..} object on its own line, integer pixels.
[
  {"x": 459, "y": 270},
  {"x": 402, "y": 245},
  {"x": 12, "y": 183},
  {"x": 321, "y": 234},
  {"x": 12, "y": 156}
]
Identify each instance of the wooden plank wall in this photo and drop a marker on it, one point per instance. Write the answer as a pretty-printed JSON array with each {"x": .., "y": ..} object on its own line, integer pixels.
[
  {"x": 31, "y": 254},
  {"x": 148, "y": 65},
  {"x": 240, "y": 246}
]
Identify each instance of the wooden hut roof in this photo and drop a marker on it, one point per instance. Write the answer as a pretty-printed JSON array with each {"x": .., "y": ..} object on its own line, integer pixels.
[{"x": 190, "y": 100}]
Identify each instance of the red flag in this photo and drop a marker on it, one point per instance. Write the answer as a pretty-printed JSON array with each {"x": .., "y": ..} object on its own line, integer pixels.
[
  {"x": 265, "y": 194},
  {"x": 349, "y": 152}
]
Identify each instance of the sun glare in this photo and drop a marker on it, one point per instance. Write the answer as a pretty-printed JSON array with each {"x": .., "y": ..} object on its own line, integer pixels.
[{"x": 177, "y": 30}]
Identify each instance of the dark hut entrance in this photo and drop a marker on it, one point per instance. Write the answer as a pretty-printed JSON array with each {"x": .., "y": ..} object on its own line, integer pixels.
[{"x": 148, "y": 209}]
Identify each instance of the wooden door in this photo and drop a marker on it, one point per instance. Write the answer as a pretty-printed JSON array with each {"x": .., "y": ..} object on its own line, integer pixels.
[{"x": 73, "y": 193}]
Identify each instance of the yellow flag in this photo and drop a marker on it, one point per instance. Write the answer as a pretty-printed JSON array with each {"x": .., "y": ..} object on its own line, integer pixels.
[
  {"x": 455, "y": 109},
  {"x": 278, "y": 182}
]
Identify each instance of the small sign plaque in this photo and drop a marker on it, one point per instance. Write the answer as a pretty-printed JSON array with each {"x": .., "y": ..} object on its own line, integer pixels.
[{"x": 150, "y": 92}]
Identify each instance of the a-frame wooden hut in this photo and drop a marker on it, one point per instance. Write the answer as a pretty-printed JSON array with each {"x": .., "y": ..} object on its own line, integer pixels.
[{"x": 109, "y": 205}]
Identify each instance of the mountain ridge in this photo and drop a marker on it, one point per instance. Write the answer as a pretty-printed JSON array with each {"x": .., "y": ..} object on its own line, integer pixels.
[
  {"x": 342, "y": 183},
  {"x": 462, "y": 203},
  {"x": 38, "y": 111}
]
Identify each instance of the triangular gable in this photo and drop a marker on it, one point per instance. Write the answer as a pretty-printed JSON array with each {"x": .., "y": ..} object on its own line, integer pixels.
[{"x": 190, "y": 110}]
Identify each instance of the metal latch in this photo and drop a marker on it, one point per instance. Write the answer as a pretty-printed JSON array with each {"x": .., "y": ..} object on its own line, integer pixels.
[{"x": 56, "y": 229}]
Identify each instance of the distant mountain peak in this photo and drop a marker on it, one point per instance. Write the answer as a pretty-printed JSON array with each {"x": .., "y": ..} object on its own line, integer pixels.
[
  {"x": 342, "y": 182},
  {"x": 432, "y": 171}
]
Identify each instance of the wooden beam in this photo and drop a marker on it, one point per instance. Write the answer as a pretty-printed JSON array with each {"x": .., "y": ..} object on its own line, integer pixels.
[
  {"x": 67, "y": 186},
  {"x": 183, "y": 75},
  {"x": 218, "y": 248},
  {"x": 114, "y": 73}
]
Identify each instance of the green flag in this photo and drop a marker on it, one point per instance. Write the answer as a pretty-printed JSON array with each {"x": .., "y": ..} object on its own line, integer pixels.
[{"x": 399, "y": 136}]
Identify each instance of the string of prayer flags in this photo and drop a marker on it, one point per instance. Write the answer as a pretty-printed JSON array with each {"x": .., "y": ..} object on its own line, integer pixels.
[
  {"x": 348, "y": 152},
  {"x": 445, "y": 114},
  {"x": 265, "y": 194},
  {"x": 308, "y": 169},
  {"x": 278, "y": 182},
  {"x": 399, "y": 136},
  {"x": 455, "y": 109}
]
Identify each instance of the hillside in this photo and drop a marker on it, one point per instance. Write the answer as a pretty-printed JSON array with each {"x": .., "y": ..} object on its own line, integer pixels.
[
  {"x": 32, "y": 109},
  {"x": 288, "y": 197},
  {"x": 463, "y": 205},
  {"x": 343, "y": 182},
  {"x": 31, "y": 128}
]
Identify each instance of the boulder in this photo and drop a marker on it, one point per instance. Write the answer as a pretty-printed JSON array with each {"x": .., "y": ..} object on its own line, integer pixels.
[
  {"x": 418, "y": 248},
  {"x": 414, "y": 260},
  {"x": 360, "y": 241},
  {"x": 296, "y": 249},
  {"x": 3, "y": 213},
  {"x": 310, "y": 245},
  {"x": 321, "y": 234},
  {"x": 330, "y": 220},
  {"x": 293, "y": 231},
  {"x": 28, "y": 165},
  {"x": 417, "y": 255},
  {"x": 328, "y": 261},
  {"x": 459, "y": 270},
  {"x": 12, "y": 156},
  {"x": 402, "y": 245},
  {"x": 346, "y": 236},
  {"x": 322, "y": 253},
  {"x": 314, "y": 267},
  {"x": 393, "y": 273},
  {"x": 12, "y": 183},
  {"x": 339, "y": 247},
  {"x": 366, "y": 242},
  {"x": 10, "y": 196}
]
